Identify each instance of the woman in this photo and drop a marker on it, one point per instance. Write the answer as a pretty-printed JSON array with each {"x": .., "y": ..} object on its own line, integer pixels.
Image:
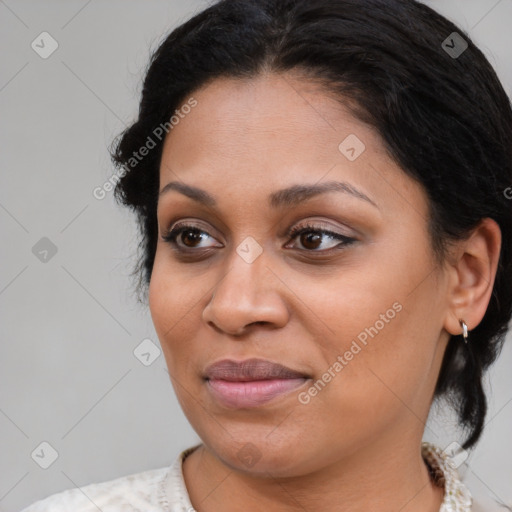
[{"x": 321, "y": 191}]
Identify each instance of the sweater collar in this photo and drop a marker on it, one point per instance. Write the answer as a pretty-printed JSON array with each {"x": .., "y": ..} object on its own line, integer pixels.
[{"x": 443, "y": 472}]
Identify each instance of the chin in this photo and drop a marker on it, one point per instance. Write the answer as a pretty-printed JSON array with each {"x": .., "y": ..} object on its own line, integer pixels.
[{"x": 259, "y": 455}]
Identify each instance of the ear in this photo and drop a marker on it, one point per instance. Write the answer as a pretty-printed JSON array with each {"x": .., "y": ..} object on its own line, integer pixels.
[{"x": 472, "y": 272}]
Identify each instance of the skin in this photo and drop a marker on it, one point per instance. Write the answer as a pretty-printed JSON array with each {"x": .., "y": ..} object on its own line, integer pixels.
[{"x": 356, "y": 445}]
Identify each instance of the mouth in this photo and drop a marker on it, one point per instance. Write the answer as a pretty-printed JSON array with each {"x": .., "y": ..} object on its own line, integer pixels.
[{"x": 250, "y": 383}]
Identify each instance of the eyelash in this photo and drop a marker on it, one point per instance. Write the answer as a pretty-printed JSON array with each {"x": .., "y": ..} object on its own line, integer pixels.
[{"x": 171, "y": 236}]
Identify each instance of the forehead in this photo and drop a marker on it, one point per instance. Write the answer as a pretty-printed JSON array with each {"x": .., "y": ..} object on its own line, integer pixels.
[
  {"x": 274, "y": 112},
  {"x": 253, "y": 136}
]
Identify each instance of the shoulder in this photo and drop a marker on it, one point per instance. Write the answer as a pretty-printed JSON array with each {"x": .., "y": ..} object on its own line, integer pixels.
[{"x": 138, "y": 492}]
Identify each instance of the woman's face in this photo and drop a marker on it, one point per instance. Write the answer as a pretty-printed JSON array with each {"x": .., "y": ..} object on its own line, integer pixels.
[{"x": 360, "y": 313}]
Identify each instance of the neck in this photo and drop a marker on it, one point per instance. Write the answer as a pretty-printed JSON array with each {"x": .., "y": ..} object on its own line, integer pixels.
[{"x": 382, "y": 476}]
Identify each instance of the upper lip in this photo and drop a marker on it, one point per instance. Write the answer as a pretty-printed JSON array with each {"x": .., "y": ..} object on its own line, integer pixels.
[{"x": 250, "y": 369}]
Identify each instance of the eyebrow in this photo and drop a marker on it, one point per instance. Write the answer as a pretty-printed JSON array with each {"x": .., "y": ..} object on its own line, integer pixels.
[{"x": 284, "y": 198}]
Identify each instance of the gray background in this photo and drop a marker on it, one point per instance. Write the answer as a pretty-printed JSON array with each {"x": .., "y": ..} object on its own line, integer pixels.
[{"x": 69, "y": 326}]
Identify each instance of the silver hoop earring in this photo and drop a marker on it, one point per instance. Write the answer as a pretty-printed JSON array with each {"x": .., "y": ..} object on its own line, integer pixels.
[{"x": 464, "y": 330}]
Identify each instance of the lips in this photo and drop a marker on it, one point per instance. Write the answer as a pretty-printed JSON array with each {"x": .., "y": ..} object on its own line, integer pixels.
[
  {"x": 250, "y": 370},
  {"x": 250, "y": 383}
]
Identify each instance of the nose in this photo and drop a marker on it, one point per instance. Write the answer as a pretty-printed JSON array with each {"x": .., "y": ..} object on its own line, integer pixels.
[{"x": 249, "y": 294}]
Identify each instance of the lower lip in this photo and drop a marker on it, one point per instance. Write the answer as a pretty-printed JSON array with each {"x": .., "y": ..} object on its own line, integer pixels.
[{"x": 251, "y": 393}]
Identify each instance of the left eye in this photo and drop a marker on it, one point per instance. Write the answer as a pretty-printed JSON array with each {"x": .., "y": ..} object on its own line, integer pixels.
[{"x": 315, "y": 234}]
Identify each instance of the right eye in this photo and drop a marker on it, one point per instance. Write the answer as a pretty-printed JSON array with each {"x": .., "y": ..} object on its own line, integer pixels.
[{"x": 193, "y": 236}]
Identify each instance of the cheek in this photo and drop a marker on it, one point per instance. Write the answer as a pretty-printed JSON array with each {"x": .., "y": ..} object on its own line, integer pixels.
[
  {"x": 381, "y": 385},
  {"x": 386, "y": 339},
  {"x": 173, "y": 295},
  {"x": 173, "y": 316},
  {"x": 161, "y": 303},
  {"x": 173, "y": 303},
  {"x": 386, "y": 368}
]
